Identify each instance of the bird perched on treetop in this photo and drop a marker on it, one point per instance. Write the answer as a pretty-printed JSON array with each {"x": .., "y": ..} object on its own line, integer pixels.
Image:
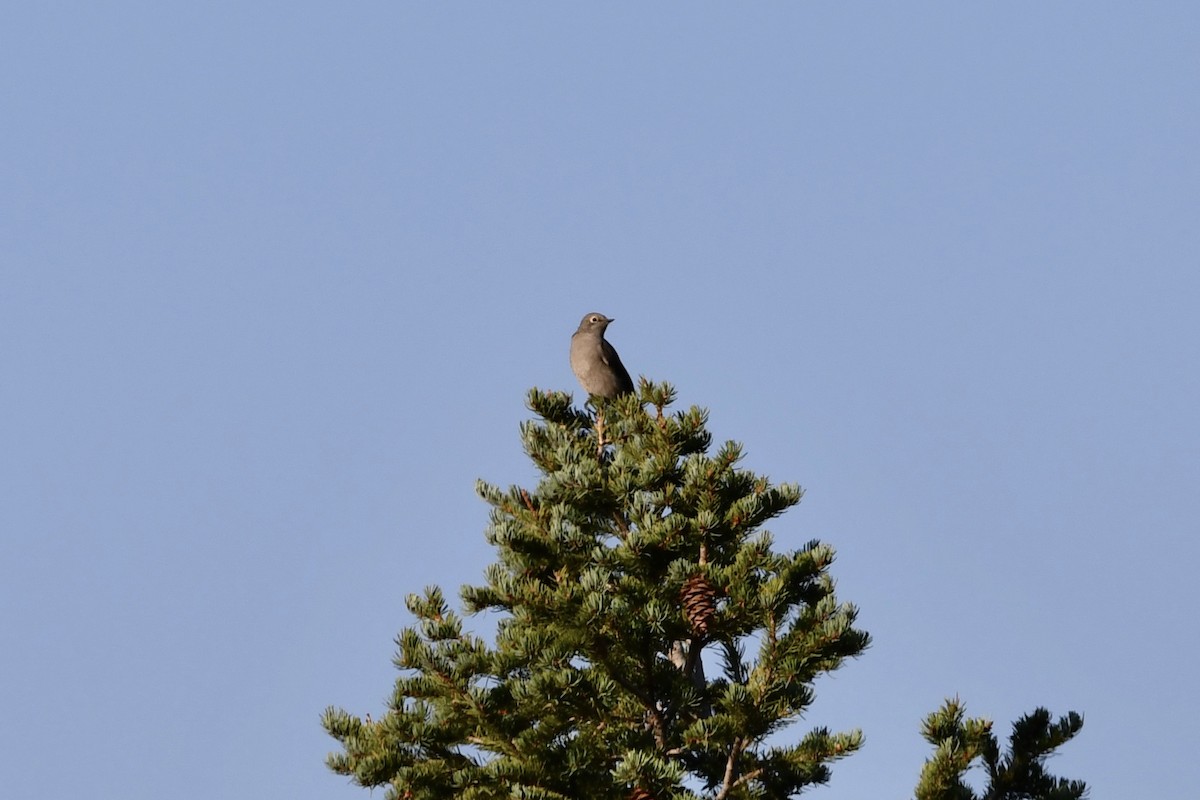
[{"x": 595, "y": 362}]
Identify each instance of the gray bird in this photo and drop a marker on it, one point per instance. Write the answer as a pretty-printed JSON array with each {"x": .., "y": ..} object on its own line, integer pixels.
[{"x": 595, "y": 362}]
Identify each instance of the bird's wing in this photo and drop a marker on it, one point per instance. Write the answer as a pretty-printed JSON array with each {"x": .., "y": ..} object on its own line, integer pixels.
[{"x": 609, "y": 354}]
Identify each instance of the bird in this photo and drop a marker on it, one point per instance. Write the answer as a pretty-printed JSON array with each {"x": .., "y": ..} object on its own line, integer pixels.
[{"x": 595, "y": 362}]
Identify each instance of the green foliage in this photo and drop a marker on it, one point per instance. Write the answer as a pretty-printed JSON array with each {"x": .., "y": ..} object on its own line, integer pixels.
[
  {"x": 959, "y": 743},
  {"x": 594, "y": 687},
  {"x": 637, "y": 554}
]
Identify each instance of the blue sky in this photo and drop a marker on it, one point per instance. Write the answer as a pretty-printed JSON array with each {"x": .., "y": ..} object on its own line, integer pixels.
[{"x": 275, "y": 278}]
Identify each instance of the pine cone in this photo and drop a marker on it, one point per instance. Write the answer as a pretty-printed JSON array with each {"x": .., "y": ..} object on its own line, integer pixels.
[
  {"x": 699, "y": 603},
  {"x": 639, "y": 793}
]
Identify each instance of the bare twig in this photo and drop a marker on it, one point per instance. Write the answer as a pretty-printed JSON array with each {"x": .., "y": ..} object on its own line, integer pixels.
[
  {"x": 600, "y": 440},
  {"x": 749, "y": 776},
  {"x": 730, "y": 780}
]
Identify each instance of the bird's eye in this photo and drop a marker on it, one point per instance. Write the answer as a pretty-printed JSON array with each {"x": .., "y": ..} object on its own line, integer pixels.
[{"x": 595, "y": 318}]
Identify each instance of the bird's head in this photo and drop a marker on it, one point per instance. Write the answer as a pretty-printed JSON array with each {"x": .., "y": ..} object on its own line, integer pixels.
[{"x": 595, "y": 321}]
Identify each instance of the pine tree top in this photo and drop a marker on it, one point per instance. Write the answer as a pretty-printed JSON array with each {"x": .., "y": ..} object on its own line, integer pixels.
[{"x": 637, "y": 553}]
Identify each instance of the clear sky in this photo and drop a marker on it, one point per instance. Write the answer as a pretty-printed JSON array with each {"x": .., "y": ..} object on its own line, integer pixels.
[{"x": 275, "y": 278}]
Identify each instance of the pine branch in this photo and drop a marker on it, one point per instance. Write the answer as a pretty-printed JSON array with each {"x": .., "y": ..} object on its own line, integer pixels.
[{"x": 1019, "y": 775}]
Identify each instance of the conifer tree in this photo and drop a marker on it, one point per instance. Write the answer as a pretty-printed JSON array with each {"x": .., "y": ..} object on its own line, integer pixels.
[{"x": 638, "y": 557}]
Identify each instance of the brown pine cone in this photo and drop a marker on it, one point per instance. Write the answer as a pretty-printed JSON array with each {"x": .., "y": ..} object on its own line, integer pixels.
[{"x": 699, "y": 600}]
